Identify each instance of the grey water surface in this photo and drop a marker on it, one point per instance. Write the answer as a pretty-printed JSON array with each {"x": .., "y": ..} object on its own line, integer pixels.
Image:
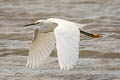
[{"x": 99, "y": 58}]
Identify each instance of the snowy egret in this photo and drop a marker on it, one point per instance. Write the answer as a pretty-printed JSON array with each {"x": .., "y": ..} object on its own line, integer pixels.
[{"x": 63, "y": 34}]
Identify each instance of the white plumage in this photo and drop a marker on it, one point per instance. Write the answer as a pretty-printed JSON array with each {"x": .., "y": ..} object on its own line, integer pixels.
[{"x": 66, "y": 36}]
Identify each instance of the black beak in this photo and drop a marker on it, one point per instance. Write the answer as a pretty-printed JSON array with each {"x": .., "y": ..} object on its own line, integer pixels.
[{"x": 29, "y": 24}]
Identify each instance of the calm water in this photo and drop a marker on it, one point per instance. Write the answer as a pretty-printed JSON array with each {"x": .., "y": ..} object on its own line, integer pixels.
[{"x": 100, "y": 58}]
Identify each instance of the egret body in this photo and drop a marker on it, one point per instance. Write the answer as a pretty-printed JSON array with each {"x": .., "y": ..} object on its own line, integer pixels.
[{"x": 59, "y": 33}]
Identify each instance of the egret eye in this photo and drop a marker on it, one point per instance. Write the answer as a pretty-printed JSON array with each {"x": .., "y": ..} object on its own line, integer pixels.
[{"x": 36, "y": 22}]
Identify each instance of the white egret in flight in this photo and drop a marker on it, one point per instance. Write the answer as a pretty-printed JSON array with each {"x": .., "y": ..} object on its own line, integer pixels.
[{"x": 63, "y": 34}]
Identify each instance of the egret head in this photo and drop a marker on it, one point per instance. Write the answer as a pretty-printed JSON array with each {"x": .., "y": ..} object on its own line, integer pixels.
[{"x": 41, "y": 22}]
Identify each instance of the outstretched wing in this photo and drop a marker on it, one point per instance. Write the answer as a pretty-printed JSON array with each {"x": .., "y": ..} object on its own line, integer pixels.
[
  {"x": 42, "y": 46},
  {"x": 67, "y": 43}
]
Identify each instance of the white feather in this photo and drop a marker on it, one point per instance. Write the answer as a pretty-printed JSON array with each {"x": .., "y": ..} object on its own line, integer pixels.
[
  {"x": 67, "y": 44},
  {"x": 42, "y": 46}
]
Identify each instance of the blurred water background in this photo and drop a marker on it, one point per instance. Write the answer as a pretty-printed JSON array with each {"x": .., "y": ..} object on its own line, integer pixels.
[{"x": 99, "y": 58}]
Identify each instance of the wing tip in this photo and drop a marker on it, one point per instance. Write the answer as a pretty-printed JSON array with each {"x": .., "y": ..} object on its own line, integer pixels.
[{"x": 66, "y": 68}]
